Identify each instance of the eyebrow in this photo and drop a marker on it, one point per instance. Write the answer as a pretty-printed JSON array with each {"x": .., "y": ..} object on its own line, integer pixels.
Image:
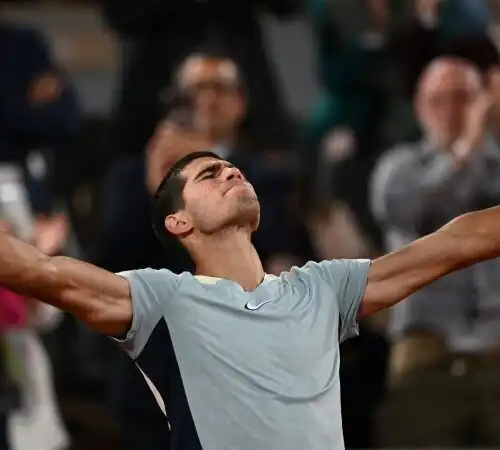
[{"x": 212, "y": 167}]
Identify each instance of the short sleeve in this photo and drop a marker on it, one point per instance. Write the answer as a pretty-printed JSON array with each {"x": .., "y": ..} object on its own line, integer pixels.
[
  {"x": 348, "y": 278},
  {"x": 149, "y": 289}
]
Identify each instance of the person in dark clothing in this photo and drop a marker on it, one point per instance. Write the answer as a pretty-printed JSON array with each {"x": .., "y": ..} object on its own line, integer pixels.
[
  {"x": 38, "y": 107},
  {"x": 440, "y": 29}
]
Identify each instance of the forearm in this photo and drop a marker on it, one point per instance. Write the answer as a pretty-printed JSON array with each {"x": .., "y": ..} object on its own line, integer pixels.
[
  {"x": 476, "y": 234},
  {"x": 22, "y": 267},
  {"x": 97, "y": 297},
  {"x": 466, "y": 240}
]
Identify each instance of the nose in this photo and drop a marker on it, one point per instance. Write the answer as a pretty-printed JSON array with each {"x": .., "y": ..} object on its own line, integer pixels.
[{"x": 231, "y": 173}]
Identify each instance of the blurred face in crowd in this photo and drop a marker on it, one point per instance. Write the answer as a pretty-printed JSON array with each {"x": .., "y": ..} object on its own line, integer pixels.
[
  {"x": 447, "y": 89},
  {"x": 214, "y": 85}
]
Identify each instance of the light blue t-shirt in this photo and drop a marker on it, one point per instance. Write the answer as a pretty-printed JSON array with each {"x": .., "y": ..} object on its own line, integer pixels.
[{"x": 248, "y": 370}]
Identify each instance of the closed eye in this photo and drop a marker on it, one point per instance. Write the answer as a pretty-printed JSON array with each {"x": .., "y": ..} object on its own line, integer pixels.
[
  {"x": 212, "y": 171},
  {"x": 208, "y": 175}
]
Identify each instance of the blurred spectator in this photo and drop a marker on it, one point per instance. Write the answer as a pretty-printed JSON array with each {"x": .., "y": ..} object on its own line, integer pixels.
[
  {"x": 437, "y": 28},
  {"x": 157, "y": 35},
  {"x": 445, "y": 361},
  {"x": 38, "y": 423},
  {"x": 35, "y": 421},
  {"x": 39, "y": 114},
  {"x": 352, "y": 42},
  {"x": 347, "y": 128},
  {"x": 343, "y": 138}
]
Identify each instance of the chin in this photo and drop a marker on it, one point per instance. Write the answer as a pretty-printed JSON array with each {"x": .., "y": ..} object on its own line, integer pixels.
[
  {"x": 244, "y": 211},
  {"x": 249, "y": 213}
]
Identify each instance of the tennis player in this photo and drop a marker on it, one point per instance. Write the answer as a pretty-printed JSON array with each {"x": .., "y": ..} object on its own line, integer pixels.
[{"x": 254, "y": 359}]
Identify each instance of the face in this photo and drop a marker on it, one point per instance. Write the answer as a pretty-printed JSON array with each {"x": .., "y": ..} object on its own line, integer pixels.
[
  {"x": 216, "y": 196},
  {"x": 446, "y": 93},
  {"x": 213, "y": 85}
]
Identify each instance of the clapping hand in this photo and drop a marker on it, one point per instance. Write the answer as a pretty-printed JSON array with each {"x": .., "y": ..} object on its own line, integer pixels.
[{"x": 474, "y": 130}]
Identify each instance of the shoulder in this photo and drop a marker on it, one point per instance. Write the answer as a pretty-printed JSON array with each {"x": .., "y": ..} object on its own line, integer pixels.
[
  {"x": 152, "y": 281},
  {"x": 151, "y": 292},
  {"x": 148, "y": 273},
  {"x": 333, "y": 272}
]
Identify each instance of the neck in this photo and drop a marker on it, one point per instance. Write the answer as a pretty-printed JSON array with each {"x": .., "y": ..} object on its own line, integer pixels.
[{"x": 229, "y": 255}]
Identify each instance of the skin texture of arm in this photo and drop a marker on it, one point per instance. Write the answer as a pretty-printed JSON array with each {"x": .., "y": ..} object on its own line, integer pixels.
[
  {"x": 468, "y": 239},
  {"x": 99, "y": 298}
]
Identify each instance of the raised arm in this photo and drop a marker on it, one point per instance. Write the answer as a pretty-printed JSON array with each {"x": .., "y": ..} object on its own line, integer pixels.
[
  {"x": 99, "y": 298},
  {"x": 468, "y": 239}
]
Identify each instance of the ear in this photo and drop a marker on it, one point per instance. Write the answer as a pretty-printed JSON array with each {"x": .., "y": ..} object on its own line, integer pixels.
[{"x": 178, "y": 224}]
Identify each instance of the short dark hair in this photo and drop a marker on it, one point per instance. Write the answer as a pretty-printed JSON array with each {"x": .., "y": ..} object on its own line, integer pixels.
[{"x": 168, "y": 198}]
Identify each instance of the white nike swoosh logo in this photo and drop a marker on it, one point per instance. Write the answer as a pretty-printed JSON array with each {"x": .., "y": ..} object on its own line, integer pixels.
[{"x": 252, "y": 307}]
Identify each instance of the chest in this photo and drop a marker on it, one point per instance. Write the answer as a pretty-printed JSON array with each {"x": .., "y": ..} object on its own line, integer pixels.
[{"x": 276, "y": 337}]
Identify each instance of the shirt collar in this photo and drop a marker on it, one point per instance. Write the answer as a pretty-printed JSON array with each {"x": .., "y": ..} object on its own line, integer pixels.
[{"x": 213, "y": 280}]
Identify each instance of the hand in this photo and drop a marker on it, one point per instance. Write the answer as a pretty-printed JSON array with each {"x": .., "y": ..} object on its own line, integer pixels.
[
  {"x": 475, "y": 124},
  {"x": 168, "y": 144},
  {"x": 51, "y": 233}
]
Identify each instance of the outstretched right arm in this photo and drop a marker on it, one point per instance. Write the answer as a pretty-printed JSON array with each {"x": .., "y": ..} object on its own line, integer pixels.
[{"x": 99, "y": 298}]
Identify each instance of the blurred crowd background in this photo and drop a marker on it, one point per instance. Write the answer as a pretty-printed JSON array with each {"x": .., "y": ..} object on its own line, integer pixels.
[{"x": 363, "y": 125}]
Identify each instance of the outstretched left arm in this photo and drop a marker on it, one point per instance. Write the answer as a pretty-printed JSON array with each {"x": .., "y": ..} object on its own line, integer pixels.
[{"x": 468, "y": 239}]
